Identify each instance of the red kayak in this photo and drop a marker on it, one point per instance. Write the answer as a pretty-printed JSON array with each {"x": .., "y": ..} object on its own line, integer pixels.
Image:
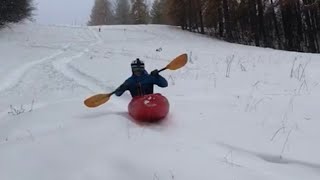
[{"x": 149, "y": 108}]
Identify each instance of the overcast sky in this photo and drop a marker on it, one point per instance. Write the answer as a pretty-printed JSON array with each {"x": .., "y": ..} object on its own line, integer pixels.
[{"x": 74, "y": 12}]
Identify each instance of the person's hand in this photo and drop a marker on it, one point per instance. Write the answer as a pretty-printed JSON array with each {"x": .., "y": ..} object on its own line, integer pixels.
[{"x": 155, "y": 72}]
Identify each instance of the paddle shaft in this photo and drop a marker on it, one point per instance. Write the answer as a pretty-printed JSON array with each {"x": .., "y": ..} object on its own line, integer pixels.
[
  {"x": 162, "y": 69},
  {"x": 110, "y": 94}
]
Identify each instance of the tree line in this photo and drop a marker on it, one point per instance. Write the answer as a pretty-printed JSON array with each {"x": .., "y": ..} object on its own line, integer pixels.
[
  {"x": 123, "y": 12},
  {"x": 282, "y": 24}
]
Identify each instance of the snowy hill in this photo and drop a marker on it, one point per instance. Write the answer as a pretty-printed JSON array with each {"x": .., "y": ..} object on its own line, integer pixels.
[{"x": 237, "y": 112}]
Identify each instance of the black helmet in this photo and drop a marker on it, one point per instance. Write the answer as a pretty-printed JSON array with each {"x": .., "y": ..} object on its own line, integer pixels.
[{"x": 137, "y": 65}]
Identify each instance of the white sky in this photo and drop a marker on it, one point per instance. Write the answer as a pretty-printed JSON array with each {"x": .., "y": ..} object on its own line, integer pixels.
[{"x": 74, "y": 12}]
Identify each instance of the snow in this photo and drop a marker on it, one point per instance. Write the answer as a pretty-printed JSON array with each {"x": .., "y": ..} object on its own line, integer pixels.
[{"x": 237, "y": 112}]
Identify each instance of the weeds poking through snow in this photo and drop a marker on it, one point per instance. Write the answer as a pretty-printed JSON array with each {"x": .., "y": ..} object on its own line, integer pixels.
[
  {"x": 243, "y": 69},
  {"x": 31, "y": 135},
  {"x": 303, "y": 85},
  {"x": 190, "y": 58},
  {"x": 19, "y": 110},
  {"x": 276, "y": 133},
  {"x": 285, "y": 143},
  {"x": 228, "y": 159},
  {"x": 255, "y": 102},
  {"x": 172, "y": 80},
  {"x": 298, "y": 72},
  {"x": 32, "y": 103},
  {"x": 214, "y": 77},
  {"x": 229, "y": 62},
  {"x": 251, "y": 98},
  {"x": 293, "y": 64},
  {"x": 155, "y": 177},
  {"x": 16, "y": 111},
  {"x": 284, "y": 126}
]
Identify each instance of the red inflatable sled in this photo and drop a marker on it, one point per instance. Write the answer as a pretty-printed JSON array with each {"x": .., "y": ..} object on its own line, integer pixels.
[{"x": 149, "y": 108}]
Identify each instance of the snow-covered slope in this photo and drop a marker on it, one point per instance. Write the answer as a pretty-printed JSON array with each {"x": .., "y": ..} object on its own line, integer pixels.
[{"x": 237, "y": 112}]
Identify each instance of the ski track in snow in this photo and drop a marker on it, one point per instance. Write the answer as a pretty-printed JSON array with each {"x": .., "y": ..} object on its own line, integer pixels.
[
  {"x": 13, "y": 78},
  {"x": 61, "y": 63},
  {"x": 271, "y": 158}
]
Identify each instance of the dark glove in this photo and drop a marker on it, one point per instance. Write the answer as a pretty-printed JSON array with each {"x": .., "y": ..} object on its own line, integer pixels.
[{"x": 155, "y": 72}]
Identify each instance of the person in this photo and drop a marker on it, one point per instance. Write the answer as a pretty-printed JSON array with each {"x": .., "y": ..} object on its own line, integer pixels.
[{"x": 141, "y": 82}]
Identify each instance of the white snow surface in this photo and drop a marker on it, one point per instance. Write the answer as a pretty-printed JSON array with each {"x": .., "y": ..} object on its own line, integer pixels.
[{"x": 236, "y": 112}]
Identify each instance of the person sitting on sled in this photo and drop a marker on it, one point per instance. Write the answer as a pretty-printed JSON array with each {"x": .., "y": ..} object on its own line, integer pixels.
[{"x": 141, "y": 83}]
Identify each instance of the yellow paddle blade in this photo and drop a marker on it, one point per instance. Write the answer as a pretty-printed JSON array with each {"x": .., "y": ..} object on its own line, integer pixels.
[
  {"x": 178, "y": 62},
  {"x": 97, "y": 100}
]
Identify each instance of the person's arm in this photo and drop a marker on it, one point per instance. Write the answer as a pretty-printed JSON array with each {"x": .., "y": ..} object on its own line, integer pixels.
[
  {"x": 158, "y": 79},
  {"x": 121, "y": 89}
]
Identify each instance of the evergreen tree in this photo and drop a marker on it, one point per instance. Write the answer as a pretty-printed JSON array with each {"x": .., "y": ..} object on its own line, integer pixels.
[
  {"x": 158, "y": 12},
  {"x": 139, "y": 12},
  {"x": 13, "y": 11},
  {"x": 101, "y": 13},
  {"x": 122, "y": 14}
]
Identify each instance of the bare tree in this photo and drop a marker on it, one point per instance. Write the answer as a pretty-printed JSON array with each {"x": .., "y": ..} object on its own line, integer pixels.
[{"x": 284, "y": 24}]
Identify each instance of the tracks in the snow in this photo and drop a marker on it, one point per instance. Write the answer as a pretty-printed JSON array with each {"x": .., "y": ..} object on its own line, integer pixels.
[
  {"x": 14, "y": 77},
  {"x": 64, "y": 66},
  {"x": 59, "y": 63}
]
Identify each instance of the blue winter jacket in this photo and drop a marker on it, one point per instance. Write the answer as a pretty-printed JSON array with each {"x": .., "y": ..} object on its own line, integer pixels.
[{"x": 141, "y": 85}]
